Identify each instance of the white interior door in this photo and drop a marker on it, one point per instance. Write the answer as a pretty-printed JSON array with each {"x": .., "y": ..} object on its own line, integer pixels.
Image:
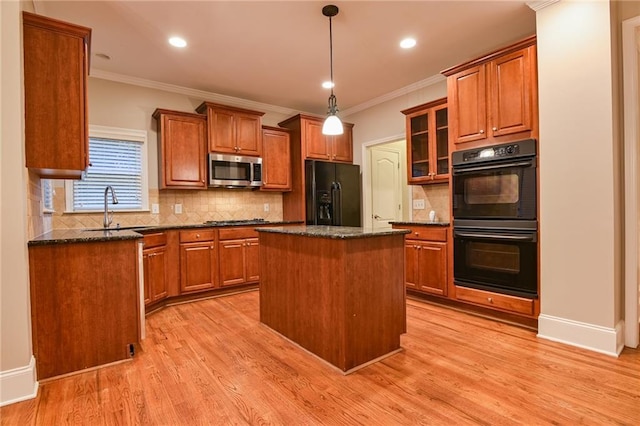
[{"x": 386, "y": 186}]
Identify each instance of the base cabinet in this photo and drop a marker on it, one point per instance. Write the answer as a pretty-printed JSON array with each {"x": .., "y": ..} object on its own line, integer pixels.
[
  {"x": 74, "y": 294},
  {"x": 426, "y": 259},
  {"x": 239, "y": 256},
  {"x": 198, "y": 260},
  {"x": 154, "y": 260}
]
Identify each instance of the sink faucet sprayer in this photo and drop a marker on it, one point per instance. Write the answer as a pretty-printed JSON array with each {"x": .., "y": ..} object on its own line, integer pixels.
[{"x": 108, "y": 216}]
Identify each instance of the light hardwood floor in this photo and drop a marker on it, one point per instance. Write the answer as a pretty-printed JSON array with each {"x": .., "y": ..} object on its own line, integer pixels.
[{"x": 212, "y": 362}]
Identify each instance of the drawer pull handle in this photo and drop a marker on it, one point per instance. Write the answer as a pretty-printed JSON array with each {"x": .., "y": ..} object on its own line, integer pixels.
[
  {"x": 490, "y": 299},
  {"x": 197, "y": 235}
]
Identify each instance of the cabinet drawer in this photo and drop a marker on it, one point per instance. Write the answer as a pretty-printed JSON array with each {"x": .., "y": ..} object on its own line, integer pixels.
[
  {"x": 235, "y": 233},
  {"x": 503, "y": 302},
  {"x": 197, "y": 235},
  {"x": 155, "y": 240},
  {"x": 430, "y": 233}
]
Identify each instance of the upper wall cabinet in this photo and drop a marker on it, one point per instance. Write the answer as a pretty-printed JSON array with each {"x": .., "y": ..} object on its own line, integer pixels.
[
  {"x": 182, "y": 149},
  {"x": 276, "y": 159},
  {"x": 233, "y": 130},
  {"x": 315, "y": 145},
  {"x": 56, "y": 69},
  {"x": 493, "y": 99},
  {"x": 427, "y": 143}
]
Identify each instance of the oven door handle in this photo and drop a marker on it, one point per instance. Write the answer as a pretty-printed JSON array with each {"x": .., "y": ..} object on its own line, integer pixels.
[
  {"x": 496, "y": 236},
  {"x": 492, "y": 167}
]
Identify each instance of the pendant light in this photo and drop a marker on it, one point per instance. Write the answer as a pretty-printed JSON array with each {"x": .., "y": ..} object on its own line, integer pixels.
[{"x": 332, "y": 124}]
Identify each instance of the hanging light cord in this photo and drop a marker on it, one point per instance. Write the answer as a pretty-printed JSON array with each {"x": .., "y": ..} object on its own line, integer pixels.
[{"x": 331, "y": 53}]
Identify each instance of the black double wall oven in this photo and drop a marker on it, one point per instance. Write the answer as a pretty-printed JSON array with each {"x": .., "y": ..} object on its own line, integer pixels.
[{"x": 495, "y": 227}]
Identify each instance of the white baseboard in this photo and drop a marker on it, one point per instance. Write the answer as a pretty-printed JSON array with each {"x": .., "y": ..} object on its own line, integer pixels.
[
  {"x": 18, "y": 384},
  {"x": 608, "y": 341}
]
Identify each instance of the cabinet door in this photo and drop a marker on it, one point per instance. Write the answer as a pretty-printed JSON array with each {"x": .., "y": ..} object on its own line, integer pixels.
[
  {"x": 155, "y": 282},
  {"x": 411, "y": 264},
  {"x": 467, "y": 99},
  {"x": 55, "y": 96},
  {"x": 317, "y": 144},
  {"x": 198, "y": 266},
  {"x": 222, "y": 137},
  {"x": 183, "y": 143},
  {"x": 252, "y": 259},
  {"x": 418, "y": 152},
  {"x": 157, "y": 274},
  {"x": 342, "y": 146},
  {"x": 439, "y": 144},
  {"x": 432, "y": 264},
  {"x": 232, "y": 269},
  {"x": 276, "y": 160},
  {"x": 248, "y": 134},
  {"x": 511, "y": 93}
]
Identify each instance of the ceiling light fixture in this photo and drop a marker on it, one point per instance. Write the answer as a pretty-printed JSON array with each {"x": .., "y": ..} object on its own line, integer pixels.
[
  {"x": 177, "y": 42},
  {"x": 327, "y": 85},
  {"x": 408, "y": 43},
  {"x": 332, "y": 124}
]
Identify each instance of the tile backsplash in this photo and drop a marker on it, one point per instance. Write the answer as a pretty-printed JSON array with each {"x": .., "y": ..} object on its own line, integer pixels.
[
  {"x": 198, "y": 206},
  {"x": 436, "y": 198}
]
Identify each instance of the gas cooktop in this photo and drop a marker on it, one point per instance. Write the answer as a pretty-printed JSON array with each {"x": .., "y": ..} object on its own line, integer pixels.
[{"x": 254, "y": 221}]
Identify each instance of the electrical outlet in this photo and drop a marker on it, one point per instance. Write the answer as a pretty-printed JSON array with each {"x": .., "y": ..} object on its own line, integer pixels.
[
  {"x": 177, "y": 208},
  {"x": 155, "y": 208},
  {"x": 418, "y": 204},
  {"x": 266, "y": 207}
]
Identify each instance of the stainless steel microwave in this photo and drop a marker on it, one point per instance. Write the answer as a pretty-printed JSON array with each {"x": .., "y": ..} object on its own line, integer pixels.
[{"x": 234, "y": 171}]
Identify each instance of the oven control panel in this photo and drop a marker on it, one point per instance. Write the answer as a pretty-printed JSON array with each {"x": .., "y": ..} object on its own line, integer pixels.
[{"x": 523, "y": 148}]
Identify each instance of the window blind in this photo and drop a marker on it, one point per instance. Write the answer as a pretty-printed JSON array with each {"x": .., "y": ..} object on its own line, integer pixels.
[{"x": 113, "y": 162}]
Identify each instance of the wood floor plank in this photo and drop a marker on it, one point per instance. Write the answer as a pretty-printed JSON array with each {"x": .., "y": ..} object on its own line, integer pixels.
[{"x": 212, "y": 362}]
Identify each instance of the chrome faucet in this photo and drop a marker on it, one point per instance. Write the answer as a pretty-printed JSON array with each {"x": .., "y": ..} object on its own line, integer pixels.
[{"x": 108, "y": 216}]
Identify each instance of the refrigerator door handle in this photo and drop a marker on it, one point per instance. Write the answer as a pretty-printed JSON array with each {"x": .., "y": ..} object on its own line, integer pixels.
[{"x": 336, "y": 201}]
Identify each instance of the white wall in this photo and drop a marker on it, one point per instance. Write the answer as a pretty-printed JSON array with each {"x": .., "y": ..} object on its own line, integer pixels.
[
  {"x": 385, "y": 120},
  {"x": 17, "y": 371},
  {"x": 579, "y": 217}
]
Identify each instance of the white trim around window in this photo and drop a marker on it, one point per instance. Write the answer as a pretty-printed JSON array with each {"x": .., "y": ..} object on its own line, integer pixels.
[{"x": 116, "y": 134}]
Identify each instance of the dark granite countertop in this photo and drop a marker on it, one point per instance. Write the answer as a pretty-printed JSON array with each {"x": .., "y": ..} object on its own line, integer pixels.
[
  {"x": 65, "y": 236},
  {"x": 419, "y": 223},
  {"x": 62, "y": 236},
  {"x": 335, "y": 232}
]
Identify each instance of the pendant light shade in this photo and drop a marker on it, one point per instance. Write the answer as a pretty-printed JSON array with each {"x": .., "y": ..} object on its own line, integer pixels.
[{"x": 332, "y": 124}]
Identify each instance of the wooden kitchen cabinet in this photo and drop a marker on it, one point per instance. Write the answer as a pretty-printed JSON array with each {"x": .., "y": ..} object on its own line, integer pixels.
[
  {"x": 315, "y": 145},
  {"x": 493, "y": 99},
  {"x": 426, "y": 268},
  {"x": 154, "y": 260},
  {"x": 427, "y": 143},
  {"x": 233, "y": 130},
  {"x": 56, "y": 69},
  {"x": 239, "y": 256},
  {"x": 85, "y": 308},
  {"x": 276, "y": 159},
  {"x": 198, "y": 260},
  {"x": 182, "y": 149}
]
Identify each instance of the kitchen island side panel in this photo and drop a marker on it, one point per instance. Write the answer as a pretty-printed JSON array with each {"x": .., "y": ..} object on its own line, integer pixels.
[{"x": 341, "y": 299}]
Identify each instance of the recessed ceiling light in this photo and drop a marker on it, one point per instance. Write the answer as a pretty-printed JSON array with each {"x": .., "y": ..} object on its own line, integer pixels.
[
  {"x": 177, "y": 42},
  {"x": 328, "y": 85},
  {"x": 408, "y": 43}
]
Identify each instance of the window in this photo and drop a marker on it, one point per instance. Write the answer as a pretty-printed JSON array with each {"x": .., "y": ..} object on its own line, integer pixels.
[
  {"x": 118, "y": 158},
  {"x": 47, "y": 195}
]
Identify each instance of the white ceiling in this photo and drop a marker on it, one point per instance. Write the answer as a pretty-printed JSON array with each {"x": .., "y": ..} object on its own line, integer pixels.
[{"x": 277, "y": 52}]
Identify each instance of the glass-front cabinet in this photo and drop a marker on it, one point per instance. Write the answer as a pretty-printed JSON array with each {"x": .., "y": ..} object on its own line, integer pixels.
[{"x": 428, "y": 143}]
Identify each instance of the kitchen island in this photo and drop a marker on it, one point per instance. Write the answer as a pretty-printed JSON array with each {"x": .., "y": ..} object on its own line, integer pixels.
[{"x": 338, "y": 292}]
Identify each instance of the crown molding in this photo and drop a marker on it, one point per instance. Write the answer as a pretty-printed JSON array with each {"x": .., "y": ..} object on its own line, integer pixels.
[
  {"x": 200, "y": 94},
  {"x": 395, "y": 94},
  {"x": 540, "y": 4},
  {"x": 259, "y": 106}
]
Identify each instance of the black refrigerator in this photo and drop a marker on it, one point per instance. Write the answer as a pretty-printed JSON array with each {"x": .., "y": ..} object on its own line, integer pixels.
[{"x": 332, "y": 193}]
